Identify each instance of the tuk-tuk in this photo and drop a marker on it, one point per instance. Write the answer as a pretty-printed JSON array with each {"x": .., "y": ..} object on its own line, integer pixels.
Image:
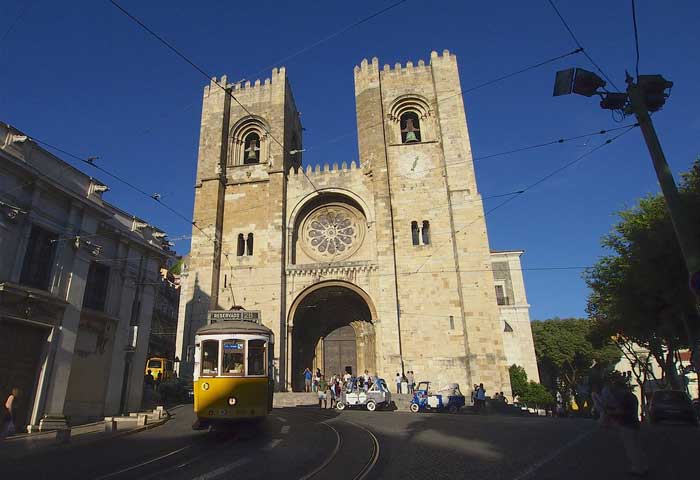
[
  {"x": 376, "y": 396},
  {"x": 447, "y": 398}
]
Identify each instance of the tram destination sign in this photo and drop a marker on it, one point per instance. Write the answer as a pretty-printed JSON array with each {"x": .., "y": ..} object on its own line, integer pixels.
[{"x": 215, "y": 316}]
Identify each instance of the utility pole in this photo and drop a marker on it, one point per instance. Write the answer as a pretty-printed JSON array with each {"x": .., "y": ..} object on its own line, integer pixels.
[
  {"x": 685, "y": 230},
  {"x": 648, "y": 94}
]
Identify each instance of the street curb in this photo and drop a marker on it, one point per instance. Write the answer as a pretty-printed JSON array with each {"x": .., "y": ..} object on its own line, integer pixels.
[{"x": 77, "y": 441}]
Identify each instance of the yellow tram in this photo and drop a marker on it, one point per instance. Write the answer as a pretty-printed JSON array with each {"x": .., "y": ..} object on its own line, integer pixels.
[{"x": 232, "y": 372}]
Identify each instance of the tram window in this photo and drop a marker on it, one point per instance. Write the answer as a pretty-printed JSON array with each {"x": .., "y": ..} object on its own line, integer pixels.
[
  {"x": 234, "y": 357},
  {"x": 155, "y": 364},
  {"x": 210, "y": 357},
  {"x": 256, "y": 357}
]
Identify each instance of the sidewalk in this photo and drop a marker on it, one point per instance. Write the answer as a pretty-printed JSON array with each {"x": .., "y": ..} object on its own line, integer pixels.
[{"x": 25, "y": 444}]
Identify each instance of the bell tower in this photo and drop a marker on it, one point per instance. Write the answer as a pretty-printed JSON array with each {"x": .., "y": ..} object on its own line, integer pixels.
[
  {"x": 414, "y": 141},
  {"x": 250, "y": 138}
]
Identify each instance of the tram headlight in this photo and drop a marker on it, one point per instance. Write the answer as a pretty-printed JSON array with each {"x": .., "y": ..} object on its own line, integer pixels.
[
  {"x": 205, "y": 386},
  {"x": 232, "y": 401}
]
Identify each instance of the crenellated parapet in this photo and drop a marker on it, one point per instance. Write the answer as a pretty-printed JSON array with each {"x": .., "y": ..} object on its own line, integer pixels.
[
  {"x": 244, "y": 86},
  {"x": 326, "y": 169}
]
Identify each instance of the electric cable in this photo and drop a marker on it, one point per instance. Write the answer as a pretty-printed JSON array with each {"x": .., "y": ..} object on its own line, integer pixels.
[
  {"x": 462, "y": 92},
  {"x": 573, "y": 36},
  {"x": 206, "y": 75},
  {"x": 636, "y": 37},
  {"x": 538, "y": 182}
]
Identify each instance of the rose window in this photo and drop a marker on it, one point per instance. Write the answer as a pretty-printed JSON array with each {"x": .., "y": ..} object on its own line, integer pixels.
[{"x": 333, "y": 232}]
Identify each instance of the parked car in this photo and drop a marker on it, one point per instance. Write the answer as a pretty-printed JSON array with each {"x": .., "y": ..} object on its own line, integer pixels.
[
  {"x": 671, "y": 405},
  {"x": 447, "y": 398},
  {"x": 377, "y": 396}
]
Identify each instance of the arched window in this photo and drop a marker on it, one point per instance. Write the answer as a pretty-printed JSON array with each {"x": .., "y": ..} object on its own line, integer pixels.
[
  {"x": 425, "y": 231},
  {"x": 249, "y": 245},
  {"x": 410, "y": 127},
  {"x": 414, "y": 233},
  {"x": 240, "y": 250},
  {"x": 251, "y": 151}
]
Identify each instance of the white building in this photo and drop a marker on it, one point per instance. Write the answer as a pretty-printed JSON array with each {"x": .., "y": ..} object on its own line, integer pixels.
[{"x": 77, "y": 280}]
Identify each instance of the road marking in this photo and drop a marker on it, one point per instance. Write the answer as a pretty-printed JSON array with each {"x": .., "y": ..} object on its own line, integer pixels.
[
  {"x": 114, "y": 474},
  {"x": 272, "y": 444},
  {"x": 281, "y": 419},
  {"x": 221, "y": 470},
  {"x": 537, "y": 465},
  {"x": 285, "y": 429}
]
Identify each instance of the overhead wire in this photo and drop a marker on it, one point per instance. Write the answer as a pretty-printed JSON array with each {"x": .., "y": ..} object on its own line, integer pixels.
[
  {"x": 462, "y": 92},
  {"x": 91, "y": 161},
  {"x": 578, "y": 43},
  {"x": 206, "y": 75},
  {"x": 538, "y": 182},
  {"x": 25, "y": 8},
  {"x": 299, "y": 52},
  {"x": 636, "y": 37}
]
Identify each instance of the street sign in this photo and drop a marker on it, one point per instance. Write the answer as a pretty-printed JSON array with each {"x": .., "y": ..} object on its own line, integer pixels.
[{"x": 233, "y": 315}]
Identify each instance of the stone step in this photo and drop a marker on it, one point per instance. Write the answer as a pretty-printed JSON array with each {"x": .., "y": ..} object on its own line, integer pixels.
[{"x": 294, "y": 399}]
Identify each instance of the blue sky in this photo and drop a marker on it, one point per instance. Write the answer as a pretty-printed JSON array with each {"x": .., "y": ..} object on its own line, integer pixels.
[{"x": 82, "y": 76}]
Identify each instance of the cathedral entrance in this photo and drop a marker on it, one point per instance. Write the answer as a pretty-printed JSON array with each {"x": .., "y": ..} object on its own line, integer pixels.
[{"x": 332, "y": 330}]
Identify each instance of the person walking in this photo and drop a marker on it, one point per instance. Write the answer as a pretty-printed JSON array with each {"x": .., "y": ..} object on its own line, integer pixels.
[
  {"x": 621, "y": 408},
  {"x": 7, "y": 427},
  {"x": 322, "y": 394},
  {"x": 398, "y": 382},
  {"x": 307, "y": 380},
  {"x": 480, "y": 397}
]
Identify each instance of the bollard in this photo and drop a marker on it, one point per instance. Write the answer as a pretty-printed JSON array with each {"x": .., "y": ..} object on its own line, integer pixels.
[
  {"x": 142, "y": 420},
  {"x": 110, "y": 424}
]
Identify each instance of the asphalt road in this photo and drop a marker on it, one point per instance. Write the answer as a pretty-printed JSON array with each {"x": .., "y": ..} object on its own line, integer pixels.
[{"x": 308, "y": 443}]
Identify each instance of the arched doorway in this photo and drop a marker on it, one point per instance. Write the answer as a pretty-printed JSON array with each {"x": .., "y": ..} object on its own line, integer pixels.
[{"x": 332, "y": 330}]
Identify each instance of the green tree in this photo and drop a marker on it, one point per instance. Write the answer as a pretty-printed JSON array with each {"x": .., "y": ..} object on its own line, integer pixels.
[
  {"x": 571, "y": 355},
  {"x": 537, "y": 396},
  {"x": 518, "y": 380},
  {"x": 640, "y": 291}
]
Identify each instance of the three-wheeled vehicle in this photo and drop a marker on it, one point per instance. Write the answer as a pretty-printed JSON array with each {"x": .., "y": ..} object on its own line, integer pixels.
[
  {"x": 377, "y": 396},
  {"x": 447, "y": 398}
]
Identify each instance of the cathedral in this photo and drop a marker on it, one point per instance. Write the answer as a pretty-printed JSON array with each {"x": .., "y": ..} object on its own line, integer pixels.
[{"x": 382, "y": 264}]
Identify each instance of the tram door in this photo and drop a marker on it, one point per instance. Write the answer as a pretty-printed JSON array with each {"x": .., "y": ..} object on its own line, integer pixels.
[{"x": 340, "y": 351}]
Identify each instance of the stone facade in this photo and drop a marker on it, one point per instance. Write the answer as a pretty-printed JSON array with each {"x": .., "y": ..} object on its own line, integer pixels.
[
  {"x": 515, "y": 311},
  {"x": 77, "y": 282},
  {"x": 394, "y": 245}
]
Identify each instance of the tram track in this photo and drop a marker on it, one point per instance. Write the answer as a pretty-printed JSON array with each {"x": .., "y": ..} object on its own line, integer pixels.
[{"x": 332, "y": 458}]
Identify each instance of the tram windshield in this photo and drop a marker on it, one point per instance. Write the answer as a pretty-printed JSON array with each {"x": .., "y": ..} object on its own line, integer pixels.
[
  {"x": 234, "y": 357},
  {"x": 210, "y": 357}
]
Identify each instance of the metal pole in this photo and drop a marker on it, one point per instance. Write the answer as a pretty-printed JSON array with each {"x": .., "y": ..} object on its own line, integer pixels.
[{"x": 682, "y": 225}]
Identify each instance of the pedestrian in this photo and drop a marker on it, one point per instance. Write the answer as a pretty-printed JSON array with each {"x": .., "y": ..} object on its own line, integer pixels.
[
  {"x": 367, "y": 380},
  {"x": 480, "y": 397},
  {"x": 503, "y": 398},
  {"x": 317, "y": 379},
  {"x": 621, "y": 408},
  {"x": 148, "y": 384},
  {"x": 307, "y": 380},
  {"x": 7, "y": 426},
  {"x": 411, "y": 381},
  {"x": 398, "y": 382},
  {"x": 321, "y": 389}
]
